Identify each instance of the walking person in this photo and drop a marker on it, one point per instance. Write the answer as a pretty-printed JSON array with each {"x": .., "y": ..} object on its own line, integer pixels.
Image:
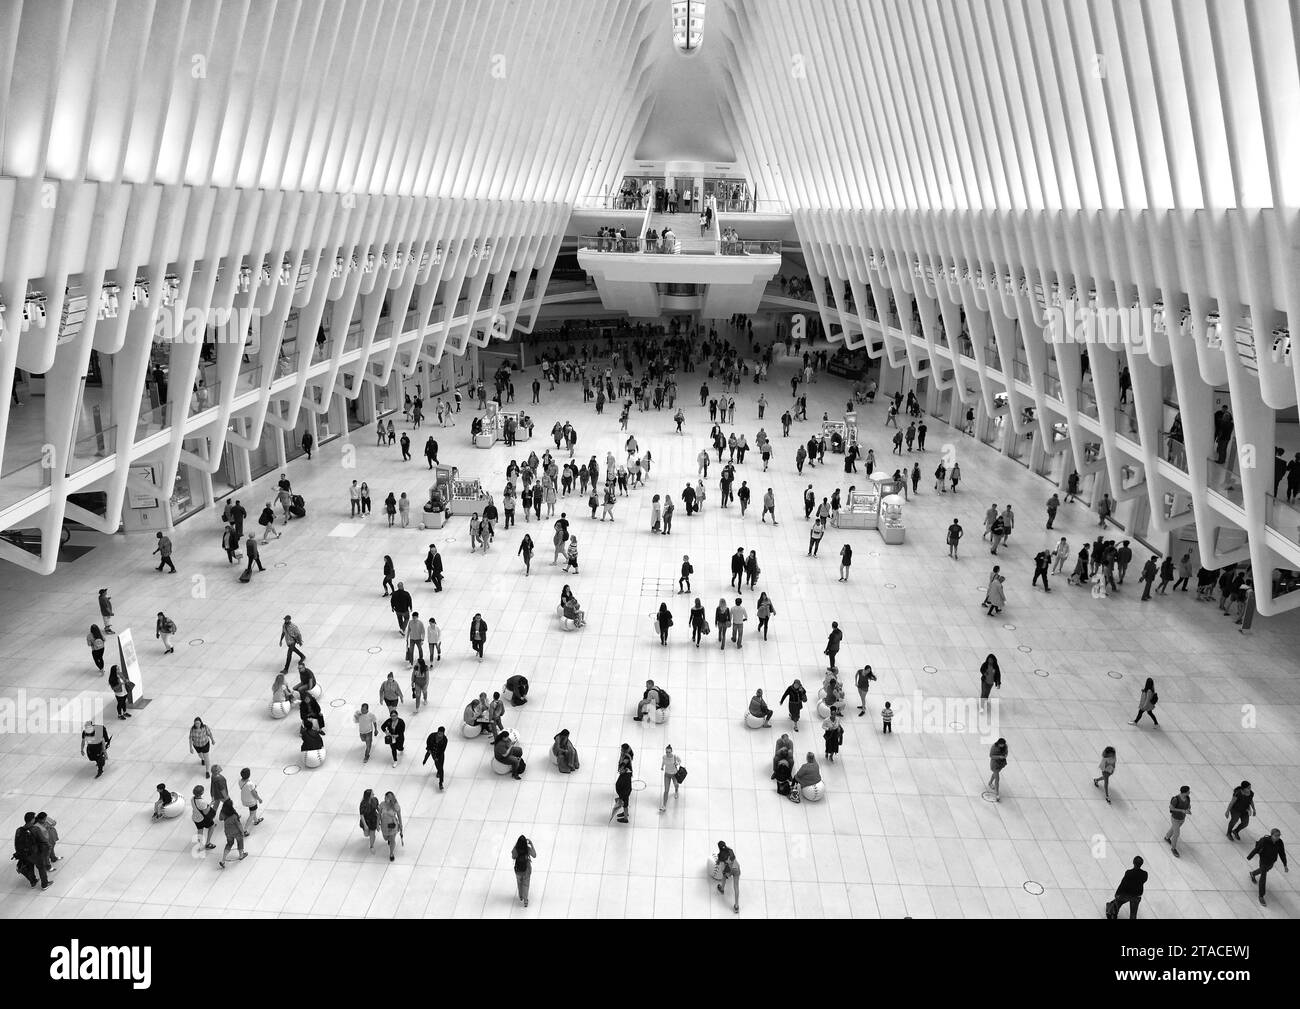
[
  {"x": 769, "y": 505},
  {"x": 400, "y": 603},
  {"x": 164, "y": 552},
  {"x": 394, "y": 729},
  {"x": 526, "y": 552},
  {"x": 390, "y": 822},
  {"x": 1270, "y": 850},
  {"x": 523, "y": 854},
  {"x": 846, "y": 561},
  {"x": 674, "y": 774},
  {"x": 833, "y": 734},
  {"x": 1240, "y": 809},
  {"x": 663, "y": 621},
  {"x": 765, "y": 610},
  {"x": 94, "y": 745},
  {"x": 699, "y": 622},
  {"x": 955, "y": 533},
  {"x": 27, "y": 852},
  {"x": 1129, "y": 891},
  {"x": 623, "y": 784},
  {"x": 997, "y": 764},
  {"x": 1180, "y": 808},
  {"x": 369, "y": 814},
  {"x": 738, "y": 618},
  {"x": 478, "y": 634},
  {"x": 990, "y": 677},
  {"x": 164, "y": 628},
  {"x": 390, "y": 573},
  {"x": 201, "y": 742},
  {"x": 234, "y": 830},
  {"x": 684, "y": 581},
  {"x": 95, "y": 639},
  {"x": 435, "y": 746},
  {"x": 1107, "y": 768},
  {"x": 291, "y": 637},
  {"x": 204, "y": 815},
  {"x": 795, "y": 697},
  {"x": 728, "y": 869},
  {"x": 1147, "y": 702}
]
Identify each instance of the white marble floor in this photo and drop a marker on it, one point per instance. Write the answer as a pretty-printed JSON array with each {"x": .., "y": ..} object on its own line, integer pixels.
[{"x": 904, "y": 829}]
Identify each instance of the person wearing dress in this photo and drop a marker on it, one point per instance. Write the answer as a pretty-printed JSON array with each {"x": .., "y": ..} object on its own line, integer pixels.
[
  {"x": 797, "y": 696},
  {"x": 390, "y": 824}
]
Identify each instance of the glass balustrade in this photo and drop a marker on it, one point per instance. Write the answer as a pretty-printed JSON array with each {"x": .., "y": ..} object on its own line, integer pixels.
[
  {"x": 24, "y": 478},
  {"x": 92, "y": 448}
]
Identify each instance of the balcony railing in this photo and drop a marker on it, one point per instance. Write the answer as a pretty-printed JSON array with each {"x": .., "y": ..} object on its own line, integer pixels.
[
  {"x": 1086, "y": 404},
  {"x": 205, "y": 397},
  {"x": 750, "y": 248},
  {"x": 23, "y": 479},
  {"x": 1125, "y": 423},
  {"x": 1224, "y": 480},
  {"x": 745, "y": 205},
  {"x": 610, "y": 243},
  {"x": 1283, "y": 517},
  {"x": 1173, "y": 451},
  {"x": 249, "y": 378},
  {"x": 1020, "y": 370},
  {"x": 153, "y": 420},
  {"x": 92, "y": 448},
  {"x": 1052, "y": 386}
]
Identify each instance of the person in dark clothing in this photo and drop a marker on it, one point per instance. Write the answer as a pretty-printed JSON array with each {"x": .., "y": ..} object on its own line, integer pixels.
[
  {"x": 1129, "y": 891},
  {"x": 1042, "y": 560},
  {"x": 401, "y": 605},
  {"x": 1148, "y": 577},
  {"x": 406, "y": 447},
  {"x": 431, "y": 451},
  {"x": 1269, "y": 849},
  {"x": 436, "y": 747},
  {"x": 307, "y": 443}
]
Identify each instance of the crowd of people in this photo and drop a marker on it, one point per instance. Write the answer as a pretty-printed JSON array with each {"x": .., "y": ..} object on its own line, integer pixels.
[{"x": 639, "y": 373}]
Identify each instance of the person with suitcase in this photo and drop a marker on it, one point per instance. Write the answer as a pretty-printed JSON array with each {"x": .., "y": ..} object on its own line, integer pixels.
[{"x": 254, "y": 557}]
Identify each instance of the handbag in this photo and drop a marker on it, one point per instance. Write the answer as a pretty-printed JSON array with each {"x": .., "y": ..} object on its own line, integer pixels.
[
  {"x": 1112, "y": 909},
  {"x": 680, "y": 776}
]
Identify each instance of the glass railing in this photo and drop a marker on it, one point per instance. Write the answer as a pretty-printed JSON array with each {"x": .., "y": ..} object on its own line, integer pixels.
[
  {"x": 92, "y": 448},
  {"x": 991, "y": 356},
  {"x": 749, "y": 247},
  {"x": 1086, "y": 403},
  {"x": 1126, "y": 424},
  {"x": 746, "y": 205},
  {"x": 1173, "y": 451},
  {"x": 1224, "y": 480},
  {"x": 249, "y": 378},
  {"x": 1020, "y": 370},
  {"x": 322, "y": 350},
  {"x": 610, "y": 201},
  {"x": 965, "y": 347},
  {"x": 610, "y": 243},
  {"x": 1283, "y": 516},
  {"x": 153, "y": 419},
  {"x": 205, "y": 397},
  {"x": 286, "y": 365},
  {"x": 22, "y": 479},
  {"x": 1052, "y": 386}
]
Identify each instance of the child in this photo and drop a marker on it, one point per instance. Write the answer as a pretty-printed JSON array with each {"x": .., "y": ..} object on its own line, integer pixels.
[
  {"x": 887, "y": 716},
  {"x": 249, "y": 797}
]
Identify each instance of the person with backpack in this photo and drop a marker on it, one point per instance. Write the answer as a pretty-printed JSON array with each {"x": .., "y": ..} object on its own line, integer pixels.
[
  {"x": 164, "y": 628},
  {"x": 27, "y": 853},
  {"x": 523, "y": 854}
]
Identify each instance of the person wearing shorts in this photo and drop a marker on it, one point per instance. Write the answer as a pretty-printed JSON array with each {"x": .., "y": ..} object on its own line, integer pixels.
[{"x": 420, "y": 682}]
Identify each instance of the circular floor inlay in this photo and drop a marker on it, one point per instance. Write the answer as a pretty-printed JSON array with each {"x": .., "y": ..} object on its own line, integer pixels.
[
  {"x": 1041, "y": 672},
  {"x": 1033, "y": 887},
  {"x": 338, "y": 702},
  {"x": 890, "y": 585},
  {"x": 1008, "y": 627},
  {"x": 291, "y": 768},
  {"x": 930, "y": 669},
  {"x": 873, "y": 553},
  {"x": 373, "y": 650},
  {"x": 1114, "y": 674},
  {"x": 638, "y": 785},
  {"x": 957, "y": 726},
  {"x": 1024, "y": 648},
  {"x": 280, "y": 564},
  {"x": 196, "y": 641},
  {"x": 989, "y": 796}
]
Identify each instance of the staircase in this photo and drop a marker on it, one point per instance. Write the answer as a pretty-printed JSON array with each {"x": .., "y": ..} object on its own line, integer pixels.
[{"x": 687, "y": 228}]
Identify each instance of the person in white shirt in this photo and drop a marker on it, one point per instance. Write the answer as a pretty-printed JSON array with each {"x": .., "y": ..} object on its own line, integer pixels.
[
  {"x": 367, "y": 725},
  {"x": 249, "y": 797}
]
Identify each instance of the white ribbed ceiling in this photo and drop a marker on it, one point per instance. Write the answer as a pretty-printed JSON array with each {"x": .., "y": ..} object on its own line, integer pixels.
[{"x": 887, "y": 104}]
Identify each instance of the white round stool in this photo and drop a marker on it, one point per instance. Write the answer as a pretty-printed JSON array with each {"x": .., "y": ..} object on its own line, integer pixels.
[
  {"x": 314, "y": 758},
  {"x": 753, "y": 721},
  {"x": 823, "y": 710},
  {"x": 813, "y": 793},
  {"x": 661, "y": 716},
  {"x": 499, "y": 767},
  {"x": 469, "y": 731},
  {"x": 316, "y": 693},
  {"x": 174, "y": 808},
  {"x": 280, "y": 709}
]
